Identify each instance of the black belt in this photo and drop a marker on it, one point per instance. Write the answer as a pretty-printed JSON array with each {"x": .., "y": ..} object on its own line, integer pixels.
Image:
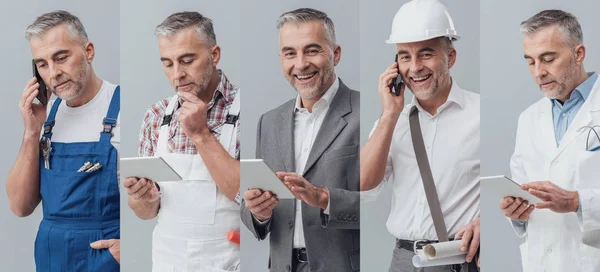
[
  {"x": 413, "y": 245},
  {"x": 299, "y": 254}
]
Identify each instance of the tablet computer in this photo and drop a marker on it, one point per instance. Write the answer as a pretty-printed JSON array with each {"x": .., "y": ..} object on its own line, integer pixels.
[
  {"x": 503, "y": 186},
  {"x": 153, "y": 168},
  {"x": 256, "y": 174}
]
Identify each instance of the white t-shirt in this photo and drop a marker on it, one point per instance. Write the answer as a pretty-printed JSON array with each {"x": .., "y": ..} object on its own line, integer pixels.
[{"x": 84, "y": 123}]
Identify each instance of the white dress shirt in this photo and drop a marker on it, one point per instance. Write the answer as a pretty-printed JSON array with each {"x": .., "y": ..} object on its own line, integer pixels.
[
  {"x": 306, "y": 128},
  {"x": 452, "y": 143}
]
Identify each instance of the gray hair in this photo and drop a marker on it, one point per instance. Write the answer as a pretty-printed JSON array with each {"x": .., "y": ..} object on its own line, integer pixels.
[
  {"x": 566, "y": 22},
  {"x": 181, "y": 20},
  {"x": 50, "y": 20},
  {"x": 304, "y": 15},
  {"x": 447, "y": 42}
]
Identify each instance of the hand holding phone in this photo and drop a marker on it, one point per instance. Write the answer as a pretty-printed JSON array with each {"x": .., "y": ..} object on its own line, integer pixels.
[
  {"x": 391, "y": 91},
  {"x": 397, "y": 81},
  {"x": 42, "y": 95}
]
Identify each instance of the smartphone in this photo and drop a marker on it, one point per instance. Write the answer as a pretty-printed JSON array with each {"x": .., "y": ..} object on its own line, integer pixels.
[
  {"x": 42, "y": 90},
  {"x": 396, "y": 82}
]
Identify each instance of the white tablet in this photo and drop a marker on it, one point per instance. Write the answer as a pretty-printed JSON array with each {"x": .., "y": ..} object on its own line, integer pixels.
[
  {"x": 153, "y": 168},
  {"x": 256, "y": 174},
  {"x": 502, "y": 186}
]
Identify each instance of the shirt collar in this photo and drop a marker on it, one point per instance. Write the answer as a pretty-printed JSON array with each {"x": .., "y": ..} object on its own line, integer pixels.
[
  {"x": 327, "y": 97},
  {"x": 585, "y": 88},
  {"x": 454, "y": 97}
]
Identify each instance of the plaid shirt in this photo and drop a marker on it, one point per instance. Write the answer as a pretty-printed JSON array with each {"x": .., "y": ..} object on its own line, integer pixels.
[{"x": 218, "y": 108}]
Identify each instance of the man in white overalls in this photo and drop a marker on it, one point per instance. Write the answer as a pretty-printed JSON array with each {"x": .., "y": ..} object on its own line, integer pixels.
[{"x": 196, "y": 132}]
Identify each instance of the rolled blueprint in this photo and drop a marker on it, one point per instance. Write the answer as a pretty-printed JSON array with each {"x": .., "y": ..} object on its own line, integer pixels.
[
  {"x": 422, "y": 261},
  {"x": 442, "y": 250},
  {"x": 446, "y": 253}
]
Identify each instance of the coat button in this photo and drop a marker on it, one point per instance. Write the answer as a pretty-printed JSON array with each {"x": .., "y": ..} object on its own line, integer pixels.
[
  {"x": 339, "y": 217},
  {"x": 291, "y": 224},
  {"x": 288, "y": 267}
]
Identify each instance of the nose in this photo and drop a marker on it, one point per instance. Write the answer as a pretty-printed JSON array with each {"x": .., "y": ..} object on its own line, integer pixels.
[
  {"x": 539, "y": 71},
  {"x": 415, "y": 65},
  {"x": 301, "y": 62},
  {"x": 179, "y": 72},
  {"x": 54, "y": 72}
]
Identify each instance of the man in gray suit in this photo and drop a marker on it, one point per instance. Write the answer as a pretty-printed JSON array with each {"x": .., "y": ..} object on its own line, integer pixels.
[{"x": 312, "y": 141}]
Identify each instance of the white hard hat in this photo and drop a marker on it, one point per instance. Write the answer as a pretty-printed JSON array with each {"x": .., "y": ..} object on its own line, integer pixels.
[{"x": 420, "y": 20}]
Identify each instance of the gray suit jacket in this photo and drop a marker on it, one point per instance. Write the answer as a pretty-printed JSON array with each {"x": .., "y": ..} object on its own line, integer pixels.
[{"x": 332, "y": 242}]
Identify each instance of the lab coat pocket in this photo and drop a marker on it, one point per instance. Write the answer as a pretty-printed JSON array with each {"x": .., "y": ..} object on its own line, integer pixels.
[
  {"x": 589, "y": 259},
  {"x": 586, "y": 169},
  {"x": 198, "y": 202}
]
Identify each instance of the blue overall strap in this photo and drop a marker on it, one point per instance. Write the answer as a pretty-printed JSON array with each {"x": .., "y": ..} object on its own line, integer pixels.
[
  {"x": 49, "y": 124},
  {"x": 110, "y": 121}
]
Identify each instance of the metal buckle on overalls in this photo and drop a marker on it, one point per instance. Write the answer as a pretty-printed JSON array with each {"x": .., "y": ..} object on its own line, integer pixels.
[
  {"x": 231, "y": 119},
  {"x": 48, "y": 127},
  {"x": 415, "y": 245},
  {"x": 109, "y": 124}
]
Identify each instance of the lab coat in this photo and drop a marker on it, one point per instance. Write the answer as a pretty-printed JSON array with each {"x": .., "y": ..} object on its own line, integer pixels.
[{"x": 554, "y": 241}]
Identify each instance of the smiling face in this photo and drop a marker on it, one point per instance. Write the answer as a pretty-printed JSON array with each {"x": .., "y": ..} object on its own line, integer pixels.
[
  {"x": 425, "y": 66},
  {"x": 62, "y": 61},
  {"x": 188, "y": 61},
  {"x": 307, "y": 58},
  {"x": 552, "y": 62}
]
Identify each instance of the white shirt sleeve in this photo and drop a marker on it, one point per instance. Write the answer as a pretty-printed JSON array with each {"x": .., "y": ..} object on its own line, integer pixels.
[{"x": 373, "y": 194}]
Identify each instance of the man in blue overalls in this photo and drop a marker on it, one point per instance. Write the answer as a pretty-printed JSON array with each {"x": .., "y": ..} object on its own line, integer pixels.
[{"x": 68, "y": 160}]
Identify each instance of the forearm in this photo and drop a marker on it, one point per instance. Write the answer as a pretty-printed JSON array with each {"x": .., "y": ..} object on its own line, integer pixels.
[
  {"x": 224, "y": 169},
  {"x": 144, "y": 209},
  {"x": 373, "y": 156},
  {"x": 23, "y": 182}
]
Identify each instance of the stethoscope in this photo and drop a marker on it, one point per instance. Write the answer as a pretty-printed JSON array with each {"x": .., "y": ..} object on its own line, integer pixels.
[
  {"x": 234, "y": 267},
  {"x": 587, "y": 140}
]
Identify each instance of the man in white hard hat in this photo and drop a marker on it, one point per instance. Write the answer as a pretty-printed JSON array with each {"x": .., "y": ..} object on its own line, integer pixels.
[
  {"x": 557, "y": 151},
  {"x": 427, "y": 150}
]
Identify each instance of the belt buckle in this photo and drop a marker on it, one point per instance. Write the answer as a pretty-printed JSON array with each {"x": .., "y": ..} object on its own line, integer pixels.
[
  {"x": 415, "y": 245},
  {"x": 298, "y": 256}
]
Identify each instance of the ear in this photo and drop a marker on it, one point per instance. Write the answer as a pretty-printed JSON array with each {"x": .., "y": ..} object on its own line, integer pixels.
[
  {"x": 451, "y": 57},
  {"x": 579, "y": 54},
  {"x": 337, "y": 54},
  {"x": 216, "y": 55},
  {"x": 90, "y": 52}
]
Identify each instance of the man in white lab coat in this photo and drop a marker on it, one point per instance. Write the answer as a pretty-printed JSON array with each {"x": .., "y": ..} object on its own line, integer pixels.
[{"x": 557, "y": 151}]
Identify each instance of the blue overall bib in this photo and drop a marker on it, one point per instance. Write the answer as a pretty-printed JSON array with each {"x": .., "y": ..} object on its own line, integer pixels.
[{"x": 79, "y": 207}]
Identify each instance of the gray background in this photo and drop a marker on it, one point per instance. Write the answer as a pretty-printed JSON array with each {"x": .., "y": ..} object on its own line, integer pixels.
[
  {"x": 508, "y": 89},
  {"x": 144, "y": 83},
  {"x": 375, "y": 24},
  {"x": 265, "y": 86},
  {"x": 101, "y": 22}
]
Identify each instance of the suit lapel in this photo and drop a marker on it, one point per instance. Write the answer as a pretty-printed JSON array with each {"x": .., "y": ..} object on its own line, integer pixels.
[
  {"x": 332, "y": 125},
  {"x": 285, "y": 139}
]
